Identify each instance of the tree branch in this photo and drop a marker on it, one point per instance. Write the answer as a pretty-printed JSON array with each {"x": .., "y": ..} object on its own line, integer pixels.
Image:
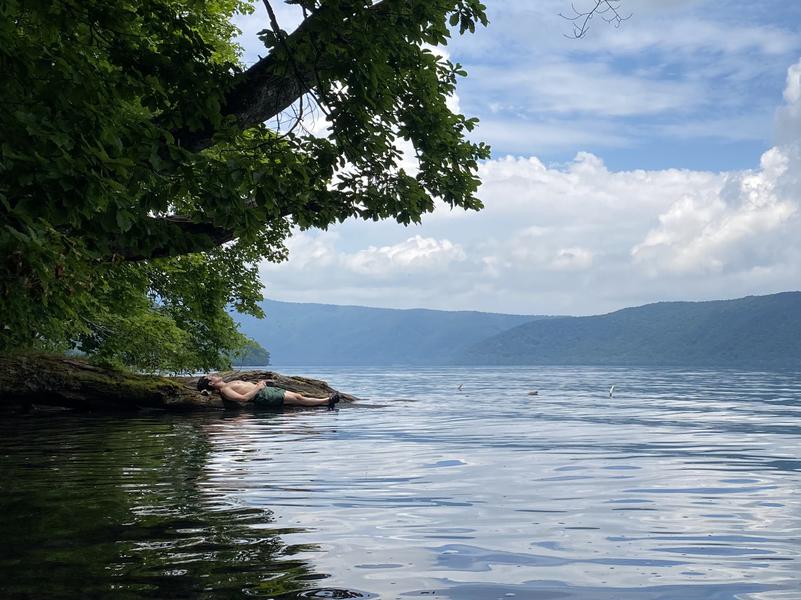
[
  {"x": 168, "y": 236},
  {"x": 271, "y": 85},
  {"x": 175, "y": 235}
]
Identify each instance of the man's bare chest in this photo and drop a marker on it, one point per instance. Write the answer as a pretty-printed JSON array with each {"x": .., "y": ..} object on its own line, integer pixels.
[{"x": 242, "y": 387}]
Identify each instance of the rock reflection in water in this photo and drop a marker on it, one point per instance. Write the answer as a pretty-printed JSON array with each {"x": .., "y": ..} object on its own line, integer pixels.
[{"x": 95, "y": 506}]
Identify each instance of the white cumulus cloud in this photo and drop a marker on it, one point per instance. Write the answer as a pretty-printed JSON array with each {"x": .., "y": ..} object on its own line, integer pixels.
[
  {"x": 412, "y": 255},
  {"x": 788, "y": 117},
  {"x": 574, "y": 238},
  {"x": 748, "y": 223}
]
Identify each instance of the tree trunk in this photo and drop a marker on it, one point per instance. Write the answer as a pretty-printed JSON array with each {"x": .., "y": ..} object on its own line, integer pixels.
[{"x": 29, "y": 380}]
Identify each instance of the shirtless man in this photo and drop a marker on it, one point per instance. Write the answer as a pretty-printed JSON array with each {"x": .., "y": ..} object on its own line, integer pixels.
[{"x": 261, "y": 394}]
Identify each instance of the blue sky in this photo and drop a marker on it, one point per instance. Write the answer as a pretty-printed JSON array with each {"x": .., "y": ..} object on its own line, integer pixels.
[
  {"x": 680, "y": 84},
  {"x": 654, "y": 161}
]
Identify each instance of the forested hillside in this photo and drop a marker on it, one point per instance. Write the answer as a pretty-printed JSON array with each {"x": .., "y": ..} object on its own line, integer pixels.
[
  {"x": 317, "y": 334},
  {"x": 757, "y": 332}
]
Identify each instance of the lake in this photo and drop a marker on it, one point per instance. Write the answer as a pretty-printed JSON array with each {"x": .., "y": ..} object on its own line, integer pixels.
[{"x": 683, "y": 485}]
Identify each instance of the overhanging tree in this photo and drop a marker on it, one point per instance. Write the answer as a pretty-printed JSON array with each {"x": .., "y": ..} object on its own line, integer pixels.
[{"x": 140, "y": 184}]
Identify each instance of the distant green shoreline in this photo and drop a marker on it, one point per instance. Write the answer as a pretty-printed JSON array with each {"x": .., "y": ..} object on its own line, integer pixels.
[{"x": 756, "y": 332}]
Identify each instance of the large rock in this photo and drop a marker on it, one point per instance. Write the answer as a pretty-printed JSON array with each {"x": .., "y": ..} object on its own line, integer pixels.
[{"x": 43, "y": 380}]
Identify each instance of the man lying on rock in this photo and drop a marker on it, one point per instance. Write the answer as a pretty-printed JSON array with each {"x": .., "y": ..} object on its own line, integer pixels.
[{"x": 261, "y": 394}]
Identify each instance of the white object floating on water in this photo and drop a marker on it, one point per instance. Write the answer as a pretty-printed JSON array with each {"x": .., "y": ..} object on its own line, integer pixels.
[
  {"x": 611, "y": 391},
  {"x": 534, "y": 393}
]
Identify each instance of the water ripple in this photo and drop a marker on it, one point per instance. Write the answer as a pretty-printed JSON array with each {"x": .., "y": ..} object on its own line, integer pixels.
[{"x": 685, "y": 484}]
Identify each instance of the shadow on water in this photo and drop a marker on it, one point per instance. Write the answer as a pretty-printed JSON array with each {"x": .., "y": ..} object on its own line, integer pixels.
[{"x": 95, "y": 506}]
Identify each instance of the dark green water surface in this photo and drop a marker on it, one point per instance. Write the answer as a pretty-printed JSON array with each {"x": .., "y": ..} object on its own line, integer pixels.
[
  {"x": 684, "y": 485},
  {"x": 95, "y": 506}
]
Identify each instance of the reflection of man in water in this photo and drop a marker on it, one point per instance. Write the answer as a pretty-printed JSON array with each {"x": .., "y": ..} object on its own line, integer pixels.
[{"x": 261, "y": 394}]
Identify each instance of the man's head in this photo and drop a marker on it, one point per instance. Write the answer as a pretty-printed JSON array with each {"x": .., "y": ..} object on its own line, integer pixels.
[{"x": 209, "y": 382}]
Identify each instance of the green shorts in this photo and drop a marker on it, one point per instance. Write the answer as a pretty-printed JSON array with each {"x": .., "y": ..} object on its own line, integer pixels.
[{"x": 269, "y": 397}]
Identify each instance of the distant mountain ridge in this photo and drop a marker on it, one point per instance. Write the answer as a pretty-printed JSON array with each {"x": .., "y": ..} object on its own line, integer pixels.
[
  {"x": 324, "y": 334},
  {"x": 752, "y": 332},
  {"x": 762, "y": 332}
]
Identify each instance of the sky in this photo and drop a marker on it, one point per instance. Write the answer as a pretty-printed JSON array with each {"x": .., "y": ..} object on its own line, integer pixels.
[{"x": 659, "y": 160}]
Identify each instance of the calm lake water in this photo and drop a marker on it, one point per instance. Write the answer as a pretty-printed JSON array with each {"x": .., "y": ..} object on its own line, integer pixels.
[{"x": 684, "y": 485}]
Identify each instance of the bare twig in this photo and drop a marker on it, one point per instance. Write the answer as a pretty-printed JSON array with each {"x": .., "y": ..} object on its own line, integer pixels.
[{"x": 608, "y": 10}]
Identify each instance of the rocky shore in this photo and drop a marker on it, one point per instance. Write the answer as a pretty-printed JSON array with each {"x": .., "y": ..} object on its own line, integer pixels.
[{"x": 36, "y": 380}]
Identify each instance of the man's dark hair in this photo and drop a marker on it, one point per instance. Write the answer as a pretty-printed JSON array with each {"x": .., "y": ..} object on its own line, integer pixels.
[{"x": 203, "y": 384}]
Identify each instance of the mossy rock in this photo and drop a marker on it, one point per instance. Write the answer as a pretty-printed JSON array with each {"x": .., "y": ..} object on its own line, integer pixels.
[{"x": 28, "y": 380}]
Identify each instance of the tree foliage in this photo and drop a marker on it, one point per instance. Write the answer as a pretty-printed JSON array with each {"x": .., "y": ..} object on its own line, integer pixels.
[
  {"x": 140, "y": 184},
  {"x": 252, "y": 354}
]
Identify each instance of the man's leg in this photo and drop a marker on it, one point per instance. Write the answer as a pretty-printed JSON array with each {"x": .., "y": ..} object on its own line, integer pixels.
[{"x": 295, "y": 399}]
